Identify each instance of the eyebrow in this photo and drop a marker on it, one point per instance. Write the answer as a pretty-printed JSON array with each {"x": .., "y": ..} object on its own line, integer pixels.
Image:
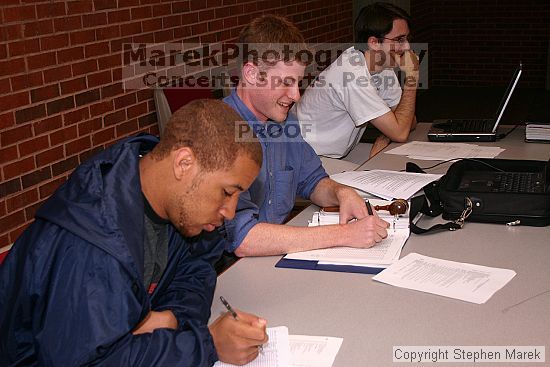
[{"x": 238, "y": 187}]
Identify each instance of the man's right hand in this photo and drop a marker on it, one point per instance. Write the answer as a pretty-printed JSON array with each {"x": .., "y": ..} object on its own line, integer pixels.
[
  {"x": 237, "y": 341},
  {"x": 366, "y": 232}
]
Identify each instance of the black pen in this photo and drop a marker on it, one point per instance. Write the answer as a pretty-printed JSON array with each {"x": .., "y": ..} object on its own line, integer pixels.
[
  {"x": 229, "y": 308},
  {"x": 369, "y": 207}
]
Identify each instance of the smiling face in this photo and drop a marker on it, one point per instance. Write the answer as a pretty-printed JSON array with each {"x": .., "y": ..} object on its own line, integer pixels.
[
  {"x": 206, "y": 199},
  {"x": 269, "y": 94},
  {"x": 396, "y": 41}
]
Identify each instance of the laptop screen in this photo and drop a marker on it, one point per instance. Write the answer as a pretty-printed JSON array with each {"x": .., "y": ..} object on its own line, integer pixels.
[{"x": 507, "y": 95}]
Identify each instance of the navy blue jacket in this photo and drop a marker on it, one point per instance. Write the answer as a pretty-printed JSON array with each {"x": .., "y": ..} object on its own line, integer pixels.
[{"x": 71, "y": 288}]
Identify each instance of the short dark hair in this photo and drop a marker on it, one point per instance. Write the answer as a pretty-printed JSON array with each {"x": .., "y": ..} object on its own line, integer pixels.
[
  {"x": 209, "y": 127},
  {"x": 376, "y": 20}
]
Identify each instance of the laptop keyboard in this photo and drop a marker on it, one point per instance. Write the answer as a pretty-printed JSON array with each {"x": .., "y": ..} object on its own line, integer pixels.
[{"x": 471, "y": 125}]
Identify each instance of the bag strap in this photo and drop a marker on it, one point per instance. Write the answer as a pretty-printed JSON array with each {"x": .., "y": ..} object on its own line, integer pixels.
[{"x": 430, "y": 204}]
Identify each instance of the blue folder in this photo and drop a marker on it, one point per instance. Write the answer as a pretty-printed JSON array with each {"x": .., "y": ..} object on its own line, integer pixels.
[{"x": 314, "y": 265}]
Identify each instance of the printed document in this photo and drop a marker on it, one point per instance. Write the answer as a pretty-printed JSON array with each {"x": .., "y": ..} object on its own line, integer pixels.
[
  {"x": 276, "y": 353},
  {"x": 379, "y": 256},
  {"x": 386, "y": 184},
  {"x": 285, "y": 350},
  {"x": 313, "y": 351},
  {"x": 429, "y": 151},
  {"x": 467, "y": 282}
]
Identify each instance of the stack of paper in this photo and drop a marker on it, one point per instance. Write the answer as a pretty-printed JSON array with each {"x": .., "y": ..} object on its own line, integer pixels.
[
  {"x": 537, "y": 132},
  {"x": 285, "y": 350},
  {"x": 468, "y": 282},
  {"x": 386, "y": 184},
  {"x": 381, "y": 255},
  {"x": 428, "y": 151}
]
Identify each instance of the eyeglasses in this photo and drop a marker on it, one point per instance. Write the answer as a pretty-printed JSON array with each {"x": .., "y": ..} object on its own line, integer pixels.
[{"x": 401, "y": 40}]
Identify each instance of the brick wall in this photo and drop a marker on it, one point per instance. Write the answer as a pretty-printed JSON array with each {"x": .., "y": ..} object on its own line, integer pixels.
[
  {"x": 61, "y": 90},
  {"x": 478, "y": 43}
]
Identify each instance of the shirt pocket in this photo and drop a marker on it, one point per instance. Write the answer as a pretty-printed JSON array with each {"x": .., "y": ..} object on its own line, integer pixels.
[{"x": 285, "y": 192}]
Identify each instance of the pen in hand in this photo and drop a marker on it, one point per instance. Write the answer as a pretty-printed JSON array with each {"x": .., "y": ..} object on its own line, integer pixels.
[
  {"x": 229, "y": 308},
  {"x": 369, "y": 207}
]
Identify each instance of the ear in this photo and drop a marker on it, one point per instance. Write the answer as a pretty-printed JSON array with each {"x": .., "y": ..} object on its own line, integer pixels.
[
  {"x": 251, "y": 73},
  {"x": 184, "y": 162},
  {"x": 373, "y": 43}
]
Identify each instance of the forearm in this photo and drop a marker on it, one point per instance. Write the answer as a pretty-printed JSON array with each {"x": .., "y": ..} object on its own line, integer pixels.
[
  {"x": 330, "y": 193},
  {"x": 405, "y": 114},
  {"x": 266, "y": 239}
]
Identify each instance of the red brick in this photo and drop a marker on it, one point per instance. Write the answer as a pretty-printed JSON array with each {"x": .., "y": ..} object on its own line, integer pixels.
[
  {"x": 63, "y": 135},
  {"x": 103, "y": 136},
  {"x": 131, "y": 29},
  {"x": 47, "y": 92},
  {"x": 96, "y": 49},
  {"x": 5, "y": 87},
  {"x": 13, "y": 100},
  {"x": 11, "y": 32},
  {"x": 56, "y": 74},
  {"x": 34, "y": 145},
  {"x": 12, "y": 220},
  {"x": 3, "y": 211},
  {"x": 28, "y": 80},
  {"x": 30, "y": 211},
  {"x": 116, "y": 74},
  {"x": 137, "y": 110},
  {"x": 3, "y": 51},
  {"x": 10, "y": 187},
  {"x": 77, "y": 146},
  {"x": 54, "y": 42},
  {"x": 19, "y": 167},
  {"x": 144, "y": 94},
  {"x": 116, "y": 44},
  {"x": 147, "y": 120},
  {"x": 41, "y": 61},
  {"x": 74, "y": 117},
  {"x": 19, "y": 13},
  {"x": 112, "y": 31},
  {"x": 48, "y": 124},
  {"x": 111, "y": 90},
  {"x": 14, "y": 235},
  {"x": 104, "y": 4},
  {"x": 87, "y": 97},
  {"x": 59, "y": 105},
  {"x": 49, "y": 156},
  {"x": 127, "y": 3},
  {"x": 86, "y": 127},
  {"x": 101, "y": 78},
  {"x": 68, "y": 23},
  {"x": 114, "y": 118},
  {"x": 125, "y": 101},
  {"x": 65, "y": 165},
  {"x": 151, "y": 25},
  {"x": 84, "y": 67},
  {"x": 119, "y": 16},
  {"x": 94, "y": 20},
  {"x": 24, "y": 47},
  {"x": 8, "y": 154},
  {"x": 163, "y": 36},
  {"x": 38, "y": 28},
  {"x": 161, "y": 9},
  {"x": 7, "y": 120},
  {"x": 30, "y": 113},
  {"x": 77, "y": 7},
  {"x": 50, "y": 187},
  {"x": 22, "y": 200},
  {"x": 71, "y": 54},
  {"x": 36, "y": 177},
  {"x": 145, "y": 38},
  {"x": 141, "y": 12},
  {"x": 73, "y": 85},
  {"x": 12, "y": 66},
  {"x": 81, "y": 37},
  {"x": 126, "y": 128},
  {"x": 50, "y": 10}
]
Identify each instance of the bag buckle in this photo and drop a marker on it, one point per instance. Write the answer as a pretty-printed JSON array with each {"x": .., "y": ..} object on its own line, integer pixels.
[{"x": 464, "y": 215}]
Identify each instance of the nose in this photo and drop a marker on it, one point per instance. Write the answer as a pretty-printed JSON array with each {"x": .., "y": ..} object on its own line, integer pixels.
[
  {"x": 227, "y": 210},
  {"x": 293, "y": 92}
]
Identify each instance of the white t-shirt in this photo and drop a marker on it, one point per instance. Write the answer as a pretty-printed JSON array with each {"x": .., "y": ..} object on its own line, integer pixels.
[{"x": 334, "y": 110}]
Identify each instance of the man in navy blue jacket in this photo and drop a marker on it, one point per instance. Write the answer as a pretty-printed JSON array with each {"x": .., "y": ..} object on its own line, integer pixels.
[{"x": 115, "y": 271}]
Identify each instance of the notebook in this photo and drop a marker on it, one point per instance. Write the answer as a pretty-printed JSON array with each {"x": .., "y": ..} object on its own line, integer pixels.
[{"x": 474, "y": 129}]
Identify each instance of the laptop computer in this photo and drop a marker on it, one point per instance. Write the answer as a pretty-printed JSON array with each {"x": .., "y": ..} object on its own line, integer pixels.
[{"x": 456, "y": 130}]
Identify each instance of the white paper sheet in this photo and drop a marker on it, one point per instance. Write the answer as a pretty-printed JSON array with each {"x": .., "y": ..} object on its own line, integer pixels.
[
  {"x": 467, "y": 282},
  {"x": 423, "y": 150},
  {"x": 276, "y": 353},
  {"x": 386, "y": 184},
  {"x": 313, "y": 351}
]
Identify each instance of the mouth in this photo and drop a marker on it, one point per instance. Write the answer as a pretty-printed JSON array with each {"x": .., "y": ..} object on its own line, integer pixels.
[{"x": 285, "y": 105}]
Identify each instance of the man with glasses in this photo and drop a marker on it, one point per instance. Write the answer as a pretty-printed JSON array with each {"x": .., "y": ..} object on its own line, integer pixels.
[{"x": 361, "y": 86}]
